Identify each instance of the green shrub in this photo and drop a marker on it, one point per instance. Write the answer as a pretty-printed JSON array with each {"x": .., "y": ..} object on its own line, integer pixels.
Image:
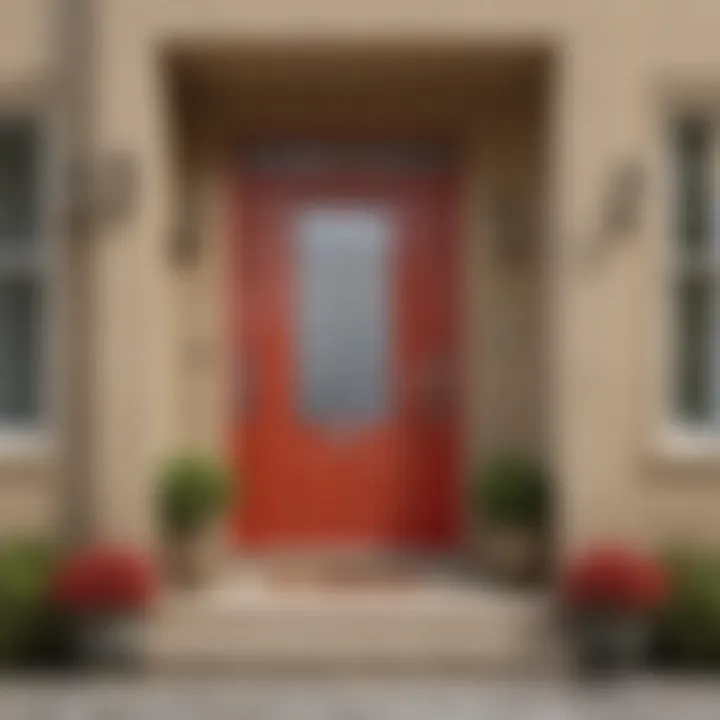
[
  {"x": 194, "y": 490},
  {"x": 512, "y": 491},
  {"x": 688, "y": 632},
  {"x": 29, "y": 632}
]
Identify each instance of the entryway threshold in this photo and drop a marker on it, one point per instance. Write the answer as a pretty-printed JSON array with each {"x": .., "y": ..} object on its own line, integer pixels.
[
  {"x": 252, "y": 625},
  {"x": 251, "y": 588}
]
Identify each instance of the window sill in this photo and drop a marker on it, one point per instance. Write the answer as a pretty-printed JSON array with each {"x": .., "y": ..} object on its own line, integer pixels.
[
  {"x": 24, "y": 445},
  {"x": 684, "y": 451}
]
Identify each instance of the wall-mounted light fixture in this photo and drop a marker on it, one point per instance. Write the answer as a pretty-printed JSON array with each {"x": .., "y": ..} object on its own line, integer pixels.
[
  {"x": 185, "y": 235},
  {"x": 621, "y": 211},
  {"x": 623, "y": 203},
  {"x": 103, "y": 192},
  {"x": 510, "y": 226}
]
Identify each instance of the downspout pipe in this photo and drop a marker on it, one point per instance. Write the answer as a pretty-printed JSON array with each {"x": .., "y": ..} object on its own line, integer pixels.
[{"x": 72, "y": 135}]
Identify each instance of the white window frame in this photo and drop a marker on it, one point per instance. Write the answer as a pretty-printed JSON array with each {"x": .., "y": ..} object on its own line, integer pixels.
[
  {"x": 33, "y": 438},
  {"x": 686, "y": 436}
]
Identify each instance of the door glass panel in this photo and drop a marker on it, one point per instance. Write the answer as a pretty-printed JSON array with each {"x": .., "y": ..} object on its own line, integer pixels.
[{"x": 343, "y": 263}]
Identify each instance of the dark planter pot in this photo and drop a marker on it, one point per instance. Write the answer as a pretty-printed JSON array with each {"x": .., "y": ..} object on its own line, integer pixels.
[
  {"x": 107, "y": 642},
  {"x": 192, "y": 558},
  {"x": 514, "y": 555},
  {"x": 609, "y": 644}
]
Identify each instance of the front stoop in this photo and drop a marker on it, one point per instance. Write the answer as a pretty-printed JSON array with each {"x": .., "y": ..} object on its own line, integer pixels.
[{"x": 454, "y": 629}]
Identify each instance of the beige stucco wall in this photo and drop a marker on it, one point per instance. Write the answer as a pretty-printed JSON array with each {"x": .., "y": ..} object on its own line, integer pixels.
[
  {"x": 593, "y": 373},
  {"x": 26, "y": 42},
  {"x": 623, "y": 471}
]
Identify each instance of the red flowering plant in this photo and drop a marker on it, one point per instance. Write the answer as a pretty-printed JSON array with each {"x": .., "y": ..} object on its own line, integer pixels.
[
  {"x": 103, "y": 581},
  {"x": 615, "y": 580}
]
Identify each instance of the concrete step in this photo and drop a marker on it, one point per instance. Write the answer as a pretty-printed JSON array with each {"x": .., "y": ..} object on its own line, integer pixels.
[{"x": 455, "y": 629}]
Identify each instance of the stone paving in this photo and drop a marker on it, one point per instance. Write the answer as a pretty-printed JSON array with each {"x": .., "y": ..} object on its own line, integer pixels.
[{"x": 420, "y": 699}]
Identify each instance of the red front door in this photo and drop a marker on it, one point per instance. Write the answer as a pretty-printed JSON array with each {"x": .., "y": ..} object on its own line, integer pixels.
[{"x": 345, "y": 330}]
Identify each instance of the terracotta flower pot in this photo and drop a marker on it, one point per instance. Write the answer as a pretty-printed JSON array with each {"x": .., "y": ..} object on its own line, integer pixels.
[
  {"x": 192, "y": 558},
  {"x": 513, "y": 554}
]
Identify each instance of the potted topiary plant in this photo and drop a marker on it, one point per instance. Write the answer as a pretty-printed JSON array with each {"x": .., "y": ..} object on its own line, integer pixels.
[
  {"x": 102, "y": 594},
  {"x": 193, "y": 497},
  {"x": 29, "y": 635},
  {"x": 610, "y": 597},
  {"x": 510, "y": 504},
  {"x": 687, "y": 634}
]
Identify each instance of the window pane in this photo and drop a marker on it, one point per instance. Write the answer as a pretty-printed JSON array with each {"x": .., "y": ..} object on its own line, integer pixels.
[
  {"x": 694, "y": 185},
  {"x": 18, "y": 183},
  {"x": 695, "y": 350},
  {"x": 19, "y": 349},
  {"x": 343, "y": 268}
]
